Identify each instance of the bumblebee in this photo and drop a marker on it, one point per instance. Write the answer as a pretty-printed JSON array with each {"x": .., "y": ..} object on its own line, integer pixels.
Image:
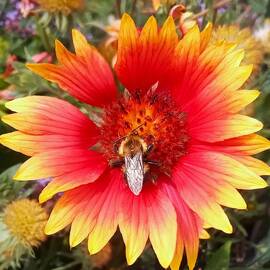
[{"x": 133, "y": 149}]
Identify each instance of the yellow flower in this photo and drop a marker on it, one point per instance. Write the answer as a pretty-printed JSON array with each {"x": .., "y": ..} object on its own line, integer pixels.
[
  {"x": 244, "y": 40},
  {"x": 25, "y": 219},
  {"x": 63, "y": 6}
]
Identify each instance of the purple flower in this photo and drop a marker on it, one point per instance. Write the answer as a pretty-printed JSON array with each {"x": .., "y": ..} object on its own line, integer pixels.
[{"x": 13, "y": 19}]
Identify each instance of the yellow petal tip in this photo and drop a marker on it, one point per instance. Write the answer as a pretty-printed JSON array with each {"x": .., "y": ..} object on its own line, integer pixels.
[
  {"x": 73, "y": 242},
  {"x": 126, "y": 16},
  {"x": 48, "y": 229},
  {"x": 17, "y": 176},
  {"x": 130, "y": 259},
  {"x": 92, "y": 249},
  {"x": 228, "y": 229},
  {"x": 31, "y": 66},
  {"x": 43, "y": 197}
]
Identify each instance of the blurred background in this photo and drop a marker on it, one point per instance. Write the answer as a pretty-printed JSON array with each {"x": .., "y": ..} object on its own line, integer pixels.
[{"x": 28, "y": 29}]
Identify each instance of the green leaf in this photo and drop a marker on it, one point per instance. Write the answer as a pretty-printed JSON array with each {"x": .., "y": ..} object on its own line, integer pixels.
[
  {"x": 258, "y": 6},
  {"x": 3, "y": 84},
  {"x": 220, "y": 259},
  {"x": 10, "y": 172}
]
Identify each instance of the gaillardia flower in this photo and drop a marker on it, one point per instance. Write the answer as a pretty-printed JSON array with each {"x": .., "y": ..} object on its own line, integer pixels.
[
  {"x": 244, "y": 39},
  {"x": 166, "y": 152}
]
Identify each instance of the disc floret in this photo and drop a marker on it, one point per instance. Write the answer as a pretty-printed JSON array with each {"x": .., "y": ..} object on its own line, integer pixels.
[{"x": 155, "y": 119}]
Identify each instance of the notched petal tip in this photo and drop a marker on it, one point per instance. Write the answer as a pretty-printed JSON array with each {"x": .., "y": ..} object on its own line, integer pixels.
[
  {"x": 204, "y": 234},
  {"x": 76, "y": 34},
  {"x": 19, "y": 176},
  {"x": 24, "y": 172},
  {"x": 44, "y": 196},
  {"x": 5, "y": 138},
  {"x": 75, "y": 237},
  {"x": 246, "y": 71},
  {"x": 228, "y": 229},
  {"x": 151, "y": 20},
  {"x": 44, "y": 70},
  {"x": 241, "y": 205},
  {"x": 4, "y": 118},
  {"x": 126, "y": 17},
  {"x": 50, "y": 229},
  {"x": 31, "y": 66},
  {"x": 259, "y": 125},
  {"x": 92, "y": 248},
  {"x": 127, "y": 23},
  {"x": 11, "y": 105},
  {"x": 130, "y": 258},
  {"x": 169, "y": 28},
  {"x": 80, "y": 42},
  {"x": 58, "y": 44},
  {"x": 260, "y": 184},
  {"x": 255, "y": 93},
  {"x": 193, "y": 29},
  {"x": 208, "y": 26}
]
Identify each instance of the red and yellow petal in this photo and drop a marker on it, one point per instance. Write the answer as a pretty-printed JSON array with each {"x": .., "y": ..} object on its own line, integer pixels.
[
  {"x": 107, "y": 217},
  {"x": 92, "y": 210},
  {"x": 152, "y": 214},
  {"x": 73, "y": 179},
  {"x": 240, "y": 146},
  {"x": 58, "y": 163},
  {"x": 162, "y": 222},
  {"x": 42, "y": 128},
  {"x": 224, "y": 168},
  {"x": 179, "y": 251},
  {"x": 206, "y": 36},
  {"x": 208, "y": 89},
  {"x": 133, "y": 224},
  {"x": 257, "y": 166},
  {"x": 189, "y": 229},
  {"x": 187, "y": 53},
  {"x": 227, "y": 127},
  {"x": 145, "y": 58},
  {"x": 67, "y": 207},
  {"x": 240, "y": 149},
  {"x": 84, "y": 75},
  {"x": 200, "y": 202},
  {"x": 204, "y": 192}
]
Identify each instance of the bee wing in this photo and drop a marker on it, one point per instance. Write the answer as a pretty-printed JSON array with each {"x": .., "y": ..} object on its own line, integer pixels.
[{"x": 134, "y": 172}]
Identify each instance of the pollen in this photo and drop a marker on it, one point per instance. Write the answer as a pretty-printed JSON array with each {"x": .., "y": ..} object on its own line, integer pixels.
[
  {"x": 155, "y": 119},
  {"x": 26, "y": 219}
]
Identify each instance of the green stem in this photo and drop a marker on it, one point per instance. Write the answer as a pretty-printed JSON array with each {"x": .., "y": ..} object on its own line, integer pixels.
[{"x": 44, "y": 37}]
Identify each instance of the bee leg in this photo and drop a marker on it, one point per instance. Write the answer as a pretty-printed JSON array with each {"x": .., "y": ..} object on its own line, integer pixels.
[
  {"x": 154, "y": 179},
  {"x": 117, "y": 163},
  {"x": 152, "y": 162},
  {"x": 115, "y": 148},
  {"x": 150, "y": 147}
]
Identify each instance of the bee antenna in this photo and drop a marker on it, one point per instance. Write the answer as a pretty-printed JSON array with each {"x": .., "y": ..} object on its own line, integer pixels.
[{"x": 131, "y": 132}]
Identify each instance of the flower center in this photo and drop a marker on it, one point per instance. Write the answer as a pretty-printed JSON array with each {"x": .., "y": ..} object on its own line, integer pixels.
[{"x": 152, "y": 125}]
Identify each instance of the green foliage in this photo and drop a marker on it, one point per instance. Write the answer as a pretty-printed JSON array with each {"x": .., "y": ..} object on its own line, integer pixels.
[
  {"x": 220, "y": 259},
  {"x": 9, "y": 189},
  {"x": 26, "y": 82}
]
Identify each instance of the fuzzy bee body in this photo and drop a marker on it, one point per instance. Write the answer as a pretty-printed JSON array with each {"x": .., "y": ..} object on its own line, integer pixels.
[
  {"x": 132, "y": 149},
  {"x": 134, "y": 171}
]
